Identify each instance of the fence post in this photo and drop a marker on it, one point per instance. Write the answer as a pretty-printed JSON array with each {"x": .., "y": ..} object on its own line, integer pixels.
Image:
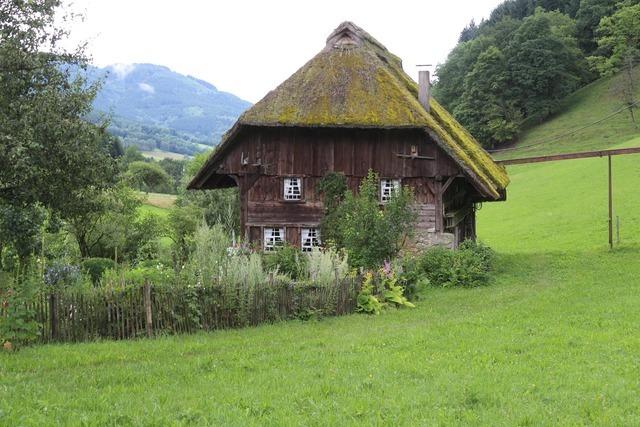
[
  {"x": 53, "y": 316},
  {"x": 147, "y": 308}
]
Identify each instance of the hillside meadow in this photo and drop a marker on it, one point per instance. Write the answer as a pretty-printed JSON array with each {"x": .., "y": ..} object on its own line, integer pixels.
[{"x": 551, "y": 342}]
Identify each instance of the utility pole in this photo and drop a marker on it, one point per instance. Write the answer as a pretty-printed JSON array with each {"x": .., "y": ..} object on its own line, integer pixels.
[{"x": 610, "y": 207}]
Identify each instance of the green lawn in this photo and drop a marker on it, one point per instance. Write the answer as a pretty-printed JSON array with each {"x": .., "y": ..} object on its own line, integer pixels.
[{"x": 553, "y": 341}]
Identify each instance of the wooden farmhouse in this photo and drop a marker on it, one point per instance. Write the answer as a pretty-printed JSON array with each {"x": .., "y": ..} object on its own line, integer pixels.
[{"x": 349, "y": 109}]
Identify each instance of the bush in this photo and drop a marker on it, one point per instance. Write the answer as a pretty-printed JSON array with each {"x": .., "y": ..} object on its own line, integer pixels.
[
  {"x": 469, "y": 266},
  {"x": 17, "y": 324},
  {"x": 411, "y": 277},
  {"x": 369, "y": 234},
  {"x": 287, "y": 260},
  {"x": 62, "y": 275},
  {"x": 379, "y": 291},
  {"x": 95, "y": 268}
]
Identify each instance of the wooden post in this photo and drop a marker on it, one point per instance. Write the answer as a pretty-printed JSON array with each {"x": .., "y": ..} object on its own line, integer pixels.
[
  {"x": 610, "y": 207},
  {"x": 147, "y": 308},
  {"x": 53, "y": 316}
]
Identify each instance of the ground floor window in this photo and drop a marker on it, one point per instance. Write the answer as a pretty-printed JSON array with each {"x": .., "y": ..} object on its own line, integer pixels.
[
  {"x": 387, "y": 188},
  {"x": 273, "y": 237},
  {"x": 310, "y": 239}
]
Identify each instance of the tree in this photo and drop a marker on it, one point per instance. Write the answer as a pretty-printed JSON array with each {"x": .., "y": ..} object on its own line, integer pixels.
[
  {"x": 101, "y": 220},
  {"x": 587, "y": 20},
  {"x": 148, "y": 176},
  {"x": 469, "y": 32},
  {"x": 619, "y": 36},
  {"x": 488, "y": 108},
  {"x": 449, "y": 87},
  {"x": 49, "y": 152},
  {"x": 545, "y": 63}
]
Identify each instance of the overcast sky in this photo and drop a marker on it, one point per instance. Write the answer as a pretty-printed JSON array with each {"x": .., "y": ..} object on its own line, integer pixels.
[{"x": 249, "y": 47}]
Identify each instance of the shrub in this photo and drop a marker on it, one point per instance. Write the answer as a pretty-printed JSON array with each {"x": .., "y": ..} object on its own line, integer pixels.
[
  {"x": 62, "y": 275},
  {"x": 367, "y": 302},
  {"x": 18, "y": 326},
  {"x": 379, "y": 291},
  {"x": 369, "y": 234},
  {"x": 323, "y": 266},
  {"x": 411, "y": 277},
  {"x": 288, "y": 260},
  {"x": 469, "y": 266},
  {"x": 95, "y": 268}
]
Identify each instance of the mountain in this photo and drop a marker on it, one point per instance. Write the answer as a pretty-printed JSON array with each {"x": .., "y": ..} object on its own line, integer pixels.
[{"x": 153, "y": 107}]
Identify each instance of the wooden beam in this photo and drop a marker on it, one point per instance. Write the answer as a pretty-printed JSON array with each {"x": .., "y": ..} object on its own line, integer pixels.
[
  {"x": 568, "y": 156},
  {"x": 447, "y": 184},
  {"x": 411, "y": 156}
]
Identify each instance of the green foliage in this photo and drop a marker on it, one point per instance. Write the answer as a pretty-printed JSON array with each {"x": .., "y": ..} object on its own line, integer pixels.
[
  {"x": 332, "y": 187},
  {"x": 468, "y": 266},
  {"x": 368, "y": 233},
  {"x": 95, "y": 267},
  {"x": 514, "y": 70},
  {"x": 287, "y": 260},
  {"x": 367, "y": 302},
  {"x": 17, "y": 318},
  {"x": 148, "y": 177},
  {"x": 49, "y": 151},
  {"x": 102, "y": 220},
  {"x": 411, "y": 277},
  {"x": 485, "y": 106},
  {"x": 21, "y": 227},
  {"x": 325, "y": 266},
  {"x": 379, "y": 291}
]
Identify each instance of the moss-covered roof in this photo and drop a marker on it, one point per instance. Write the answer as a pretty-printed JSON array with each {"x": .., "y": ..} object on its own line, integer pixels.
[{"x": 356, "y": 82}]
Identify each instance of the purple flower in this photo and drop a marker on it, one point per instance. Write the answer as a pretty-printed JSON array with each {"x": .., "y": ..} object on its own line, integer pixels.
[{"x": 386, "y": 269}]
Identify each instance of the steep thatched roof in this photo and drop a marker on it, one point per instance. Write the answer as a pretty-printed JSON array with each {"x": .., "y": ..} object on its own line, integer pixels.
[{"x": 356, "y": 82}]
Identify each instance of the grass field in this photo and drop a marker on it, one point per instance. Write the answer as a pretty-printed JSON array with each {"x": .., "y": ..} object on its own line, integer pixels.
[
  {"x": 159, "y": 200},
  {"x": 159, "y": 155},
  {"x": 553, "y": 341}
]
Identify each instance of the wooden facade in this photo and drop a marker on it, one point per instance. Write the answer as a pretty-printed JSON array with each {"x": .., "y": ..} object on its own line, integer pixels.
[{"x": 261, "y": 158}]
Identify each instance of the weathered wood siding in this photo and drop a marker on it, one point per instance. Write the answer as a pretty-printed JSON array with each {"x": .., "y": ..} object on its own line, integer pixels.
[{"x": 262, "y": 157}]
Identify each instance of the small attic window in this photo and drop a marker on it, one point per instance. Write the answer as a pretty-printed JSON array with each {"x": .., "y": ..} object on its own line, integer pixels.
[
  {"x": 310, "y": 239},
  {"x": 273, "y": 238},
  {"x": 387, "y": 188},
  {"x": 293, "y": 189}
]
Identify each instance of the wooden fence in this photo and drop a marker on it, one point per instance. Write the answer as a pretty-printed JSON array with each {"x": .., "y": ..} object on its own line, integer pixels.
[{"x": 137, "y": 311}]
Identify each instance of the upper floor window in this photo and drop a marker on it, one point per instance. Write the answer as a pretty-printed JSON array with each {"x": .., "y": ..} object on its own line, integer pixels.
[
  {"x": 293, "y": 188},
  {"x": 310, "y": 239},
  {"x": 387, "y": 188},
  {"x": 273, "y": 237}
]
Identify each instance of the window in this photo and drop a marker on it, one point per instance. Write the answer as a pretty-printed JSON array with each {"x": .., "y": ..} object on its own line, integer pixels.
[
  {"x": 273, "y": 237},
  {"x": 387, "y": 188},
  {"x": 293, "y": 188},
  {"x": 310, "y": 239}
]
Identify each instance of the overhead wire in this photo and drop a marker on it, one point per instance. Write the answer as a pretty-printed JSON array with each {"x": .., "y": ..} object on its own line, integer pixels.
[{"x": 570, "y": 132}]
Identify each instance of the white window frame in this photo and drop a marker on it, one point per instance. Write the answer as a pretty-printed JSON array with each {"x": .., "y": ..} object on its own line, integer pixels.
[
  {"x": 309, "y": 238},
  {"x": 292, "y": 189},
  {"x": 272, "y": 237},
  {"x": 388, "y": 186}
]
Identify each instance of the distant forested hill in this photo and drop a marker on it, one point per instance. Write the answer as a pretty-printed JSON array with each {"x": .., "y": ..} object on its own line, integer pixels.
[{"x": 153, "y": 107}]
